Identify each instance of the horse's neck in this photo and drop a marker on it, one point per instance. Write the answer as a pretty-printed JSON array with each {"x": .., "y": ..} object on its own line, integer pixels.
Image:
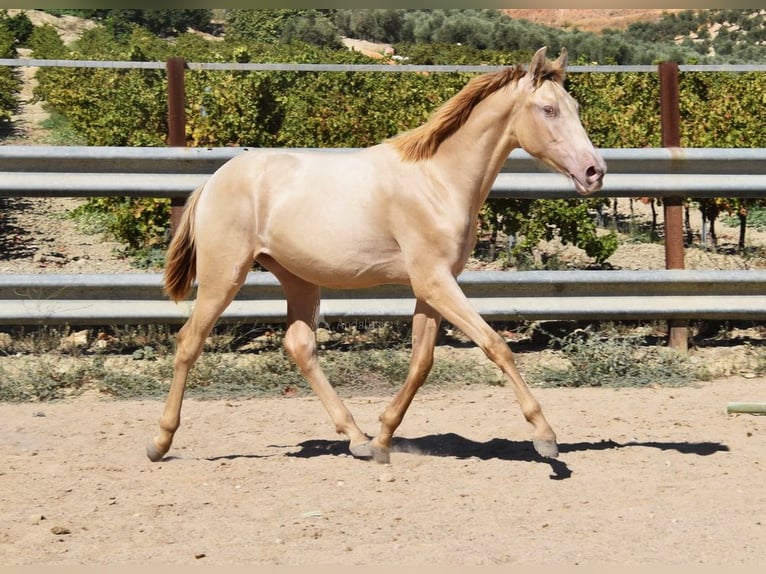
[{"x": 472, "y": 157}]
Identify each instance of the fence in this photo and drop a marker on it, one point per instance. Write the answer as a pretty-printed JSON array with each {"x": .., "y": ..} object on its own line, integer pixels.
[
  {"x": 669, "y": 172},
  {"x": 79, "y": 171},
  {"x": 596, "y": 295},
  {"x": 137, "y": 298}
]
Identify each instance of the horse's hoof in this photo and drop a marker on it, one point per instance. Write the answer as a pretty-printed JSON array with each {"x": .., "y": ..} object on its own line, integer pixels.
[
  {"x": 380, "y": 455},
  {"x": 546, "y": 448},
  {"x": 154, "y": 454},
  {"x": 361, "y": 450}
]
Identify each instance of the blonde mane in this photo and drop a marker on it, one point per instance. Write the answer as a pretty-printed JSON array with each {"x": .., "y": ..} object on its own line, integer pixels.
[{"x": 423, "y": 141}]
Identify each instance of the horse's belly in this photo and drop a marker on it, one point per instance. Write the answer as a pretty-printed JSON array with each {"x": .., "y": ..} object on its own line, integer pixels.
[{"x": 340, "y": 262}]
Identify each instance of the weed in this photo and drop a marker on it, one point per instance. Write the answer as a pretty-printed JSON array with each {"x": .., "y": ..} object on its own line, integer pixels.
[
  {"x": 44, "y": 379},
  {"x": 60, "y": 131},
  {"x": 608, "y": 359},
  {"x": 147, "y": 257},
  {"x": 358, "y": 358},
  {"x": 219, "y": 375}
]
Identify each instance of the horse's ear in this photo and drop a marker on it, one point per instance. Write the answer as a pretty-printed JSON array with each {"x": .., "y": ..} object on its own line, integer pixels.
[
  {"x": 561, "y": 62},
  {"x": 538, "y": 63}
]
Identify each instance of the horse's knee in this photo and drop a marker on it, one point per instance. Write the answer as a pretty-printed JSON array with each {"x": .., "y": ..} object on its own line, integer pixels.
[
  {"x": 420, "y": 367},
  {"x": 424, "y": 362}
]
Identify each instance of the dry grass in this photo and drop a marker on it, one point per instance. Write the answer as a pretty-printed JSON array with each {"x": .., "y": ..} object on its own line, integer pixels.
[
  {"x": 362, "y": 359},
  {"x": 590, "y": 20}
]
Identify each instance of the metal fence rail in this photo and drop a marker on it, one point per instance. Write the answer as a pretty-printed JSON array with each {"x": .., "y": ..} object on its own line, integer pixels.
[
  {"x": 137, "y": 298},
  {"x": 400, "y": 68},
  {"x": 50, "y": 171},
  {"x": 596, "y": 295},
  {"x": 78, "y": 171}
]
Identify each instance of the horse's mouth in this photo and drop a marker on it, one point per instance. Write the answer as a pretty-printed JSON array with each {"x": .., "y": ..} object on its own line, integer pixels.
[{"x": 588, "y": 188}]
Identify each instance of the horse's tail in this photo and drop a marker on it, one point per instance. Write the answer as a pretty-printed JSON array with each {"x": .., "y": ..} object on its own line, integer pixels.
[{"x": 181, "y": 261}]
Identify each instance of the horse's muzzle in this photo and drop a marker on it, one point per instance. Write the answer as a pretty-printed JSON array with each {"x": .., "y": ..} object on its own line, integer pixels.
[{"x": 592, "y": 181}]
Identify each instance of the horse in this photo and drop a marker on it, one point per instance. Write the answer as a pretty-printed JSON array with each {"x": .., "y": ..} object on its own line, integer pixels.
[{"x": 403, "y": 211}]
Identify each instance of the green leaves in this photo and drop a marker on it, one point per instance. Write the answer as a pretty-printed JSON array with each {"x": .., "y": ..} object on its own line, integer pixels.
[
  {"x": 139, "y": 223},
  {"x": 9, "y": 85},
  {"x": 533, "y": 221},
  {"x": 618, "y": 109}
]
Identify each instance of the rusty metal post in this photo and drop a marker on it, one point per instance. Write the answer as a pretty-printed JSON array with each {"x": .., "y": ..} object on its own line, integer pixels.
[
  {"x": 672, "y": 206},
  {"x": 176, "y": 124}
]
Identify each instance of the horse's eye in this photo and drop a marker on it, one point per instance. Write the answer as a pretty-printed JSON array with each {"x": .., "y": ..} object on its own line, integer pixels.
[{"x": 550, "y": 111}]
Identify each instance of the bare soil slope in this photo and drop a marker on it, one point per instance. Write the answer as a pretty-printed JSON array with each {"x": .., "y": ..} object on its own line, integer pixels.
[{"x": 591, "y": 19}]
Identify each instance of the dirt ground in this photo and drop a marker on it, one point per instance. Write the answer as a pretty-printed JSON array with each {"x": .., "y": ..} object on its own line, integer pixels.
[{"x": 649, "y": 476}]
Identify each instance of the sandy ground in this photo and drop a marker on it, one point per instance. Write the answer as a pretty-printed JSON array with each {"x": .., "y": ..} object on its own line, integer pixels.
[{"x": 649, "y": 476}]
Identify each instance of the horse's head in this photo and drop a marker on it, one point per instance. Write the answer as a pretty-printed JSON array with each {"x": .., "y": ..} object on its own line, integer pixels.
[{"x": 549, "y": 126}]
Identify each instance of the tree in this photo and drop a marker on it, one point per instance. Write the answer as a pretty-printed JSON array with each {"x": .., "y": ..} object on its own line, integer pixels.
[
  {"x": 262, "y": 26},
  {"x": 47, "y": 44},
  {"x": 162, "y": 22},
  {"x": 172, "y": 22},
  {"x": 312, "y": 28}
]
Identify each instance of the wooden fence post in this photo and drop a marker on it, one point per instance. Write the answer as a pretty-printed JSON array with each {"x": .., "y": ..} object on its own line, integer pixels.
[
  {"x": 176, "y": 124},
  {"x": 670, "y": 115}
]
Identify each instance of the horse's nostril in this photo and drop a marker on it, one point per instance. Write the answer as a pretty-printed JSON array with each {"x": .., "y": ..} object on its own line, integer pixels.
[{"x": 593, "y": 173}]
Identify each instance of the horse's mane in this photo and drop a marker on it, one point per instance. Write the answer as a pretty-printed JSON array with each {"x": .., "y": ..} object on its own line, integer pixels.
[{"x": 423, "y": 141}]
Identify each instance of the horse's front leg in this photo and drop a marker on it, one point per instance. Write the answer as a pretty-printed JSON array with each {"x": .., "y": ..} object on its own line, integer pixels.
[
  {"x": 444, "y": 294},
  {"x": 425, "y": 328}
]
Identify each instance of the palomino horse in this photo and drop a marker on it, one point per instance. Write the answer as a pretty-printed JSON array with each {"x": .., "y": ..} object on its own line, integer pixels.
[{"x": 403, "y": 212}]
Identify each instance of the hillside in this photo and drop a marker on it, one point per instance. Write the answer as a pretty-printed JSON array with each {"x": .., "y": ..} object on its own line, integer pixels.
[
  {"x": 617, "y": 35},
  {"x": 589, "y": 20}
]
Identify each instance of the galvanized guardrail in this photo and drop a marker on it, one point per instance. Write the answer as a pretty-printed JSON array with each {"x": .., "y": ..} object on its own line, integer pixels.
[
  {"x": 597, "y": 295},
  {"x": 79, "y": 171},
  {"x": 380, "y": 67},
  {"x": 137, "y": 298}
]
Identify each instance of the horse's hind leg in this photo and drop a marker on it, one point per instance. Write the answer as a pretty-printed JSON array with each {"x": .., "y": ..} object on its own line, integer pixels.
[
  {"x": 214, "y": 294},
  {"x": 425, "y": 328},
  {"x": 300, "y": 344}
]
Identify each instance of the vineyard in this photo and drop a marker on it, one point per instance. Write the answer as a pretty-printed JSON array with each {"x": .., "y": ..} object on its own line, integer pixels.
[{"x": 356, "y": 109}]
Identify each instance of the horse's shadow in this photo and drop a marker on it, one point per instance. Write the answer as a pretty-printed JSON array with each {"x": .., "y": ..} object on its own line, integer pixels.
[{"x": 456, "y": 446}]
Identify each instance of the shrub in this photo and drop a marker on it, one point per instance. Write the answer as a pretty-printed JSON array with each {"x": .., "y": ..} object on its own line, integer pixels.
[
  {"x": 608, "y": 358},
  {"x": 140, "y": 223},
  {"x": 9, "y": 84},
  {"x": 19, "y": 26}
]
